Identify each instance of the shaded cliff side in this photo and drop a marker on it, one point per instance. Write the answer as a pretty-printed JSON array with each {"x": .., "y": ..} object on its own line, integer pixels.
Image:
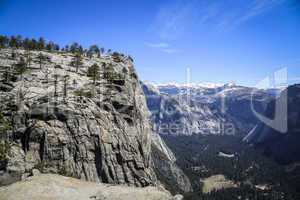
[{"x": 282, "y": 145}]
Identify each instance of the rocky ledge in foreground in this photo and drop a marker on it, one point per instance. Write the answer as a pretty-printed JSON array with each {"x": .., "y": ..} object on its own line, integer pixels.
[{"x": 56, "y": 187}]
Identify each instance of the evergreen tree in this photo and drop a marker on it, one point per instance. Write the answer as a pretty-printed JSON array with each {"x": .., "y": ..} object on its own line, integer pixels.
[
  {"x": 20, "y": 68},
  {"x": 94, "y": 50},
  {"x": 13, "y": 42},
  {"x": 77, "y": 61},
  {"x": 94, "y": 72},
  {"x": 109, "y": 73},
  {"x": 67, "y": 48},
  {"x": 27, "y": 44},
  {"x": 117, "y": 57},
  {"x": 74, "y": 48},
  {"x": 19, "y": 41},
  {"x": 50, "y": 46},
  {"x": 80, "y": 50},
  {"x": 56, "y": 47},
  {"x": 41, "y": 43},
  {"x": 3, "y": 41},
  {"x": 33, "y": 44},
  {"x": 130, "y": 58},
  {"x": 102, "y": 51}
]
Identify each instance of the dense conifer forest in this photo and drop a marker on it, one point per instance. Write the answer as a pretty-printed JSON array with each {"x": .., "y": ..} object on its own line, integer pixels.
[{"x": 199, "y": 157}]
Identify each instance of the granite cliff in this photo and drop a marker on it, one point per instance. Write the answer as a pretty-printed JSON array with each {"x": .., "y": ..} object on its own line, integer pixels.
[{"x": 57, "y": 119}]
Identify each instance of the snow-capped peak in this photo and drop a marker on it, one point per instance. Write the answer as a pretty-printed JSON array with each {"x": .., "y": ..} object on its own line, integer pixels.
[{"x": 189, "y": 85}]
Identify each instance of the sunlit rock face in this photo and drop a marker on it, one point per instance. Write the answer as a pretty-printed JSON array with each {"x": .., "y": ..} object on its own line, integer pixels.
[{"x": 65, "y": 122}]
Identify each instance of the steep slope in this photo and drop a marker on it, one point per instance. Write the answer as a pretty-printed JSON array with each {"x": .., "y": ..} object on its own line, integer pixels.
[
  {"x": 168, "y": 173},
  {"x": 61, "y": 121}
]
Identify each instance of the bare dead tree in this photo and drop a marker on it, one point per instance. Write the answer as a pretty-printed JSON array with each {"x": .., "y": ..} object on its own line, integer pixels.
[
  {"x": 66, "y": 82},
  {"x": 28, "y": 59},
  {"x": 41, "y": 58},
  {"x": 55, "y": 85}
]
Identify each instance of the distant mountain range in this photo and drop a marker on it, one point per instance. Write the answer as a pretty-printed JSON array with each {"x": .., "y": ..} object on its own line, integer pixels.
[
  {"x": 186, "y": 109},
  {"x": 180, "y": 109}
]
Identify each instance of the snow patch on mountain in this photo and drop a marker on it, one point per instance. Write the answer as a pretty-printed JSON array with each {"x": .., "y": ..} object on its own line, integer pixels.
[{"x": 188, "y": 85}]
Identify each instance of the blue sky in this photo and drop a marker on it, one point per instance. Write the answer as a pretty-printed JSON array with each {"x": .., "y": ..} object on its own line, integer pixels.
[{"x": 219, "y": 40}]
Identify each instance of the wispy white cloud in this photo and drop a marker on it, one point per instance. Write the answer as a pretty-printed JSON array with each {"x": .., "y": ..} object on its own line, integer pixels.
[
  {"x": 171, "y": 50},
  {"x": 256, "y": 8},
  {"x": 226, "y": 15},
  {"x": 157, "y": 45},
  {"x": 163, "y": 47},
  {"x": 173, "y": 20}
]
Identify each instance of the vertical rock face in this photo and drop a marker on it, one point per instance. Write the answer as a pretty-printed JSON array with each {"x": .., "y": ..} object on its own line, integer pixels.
[
  {"x": 168, "y": 173},
  {"x": 64, "y": 122},
  {"x": 172, "y": 177}
]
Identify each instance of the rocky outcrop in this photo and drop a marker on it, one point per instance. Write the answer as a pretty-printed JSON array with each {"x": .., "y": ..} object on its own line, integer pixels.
[
  {"x": 55, "y": 187},
  {"x": 92, "y": 128}
]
